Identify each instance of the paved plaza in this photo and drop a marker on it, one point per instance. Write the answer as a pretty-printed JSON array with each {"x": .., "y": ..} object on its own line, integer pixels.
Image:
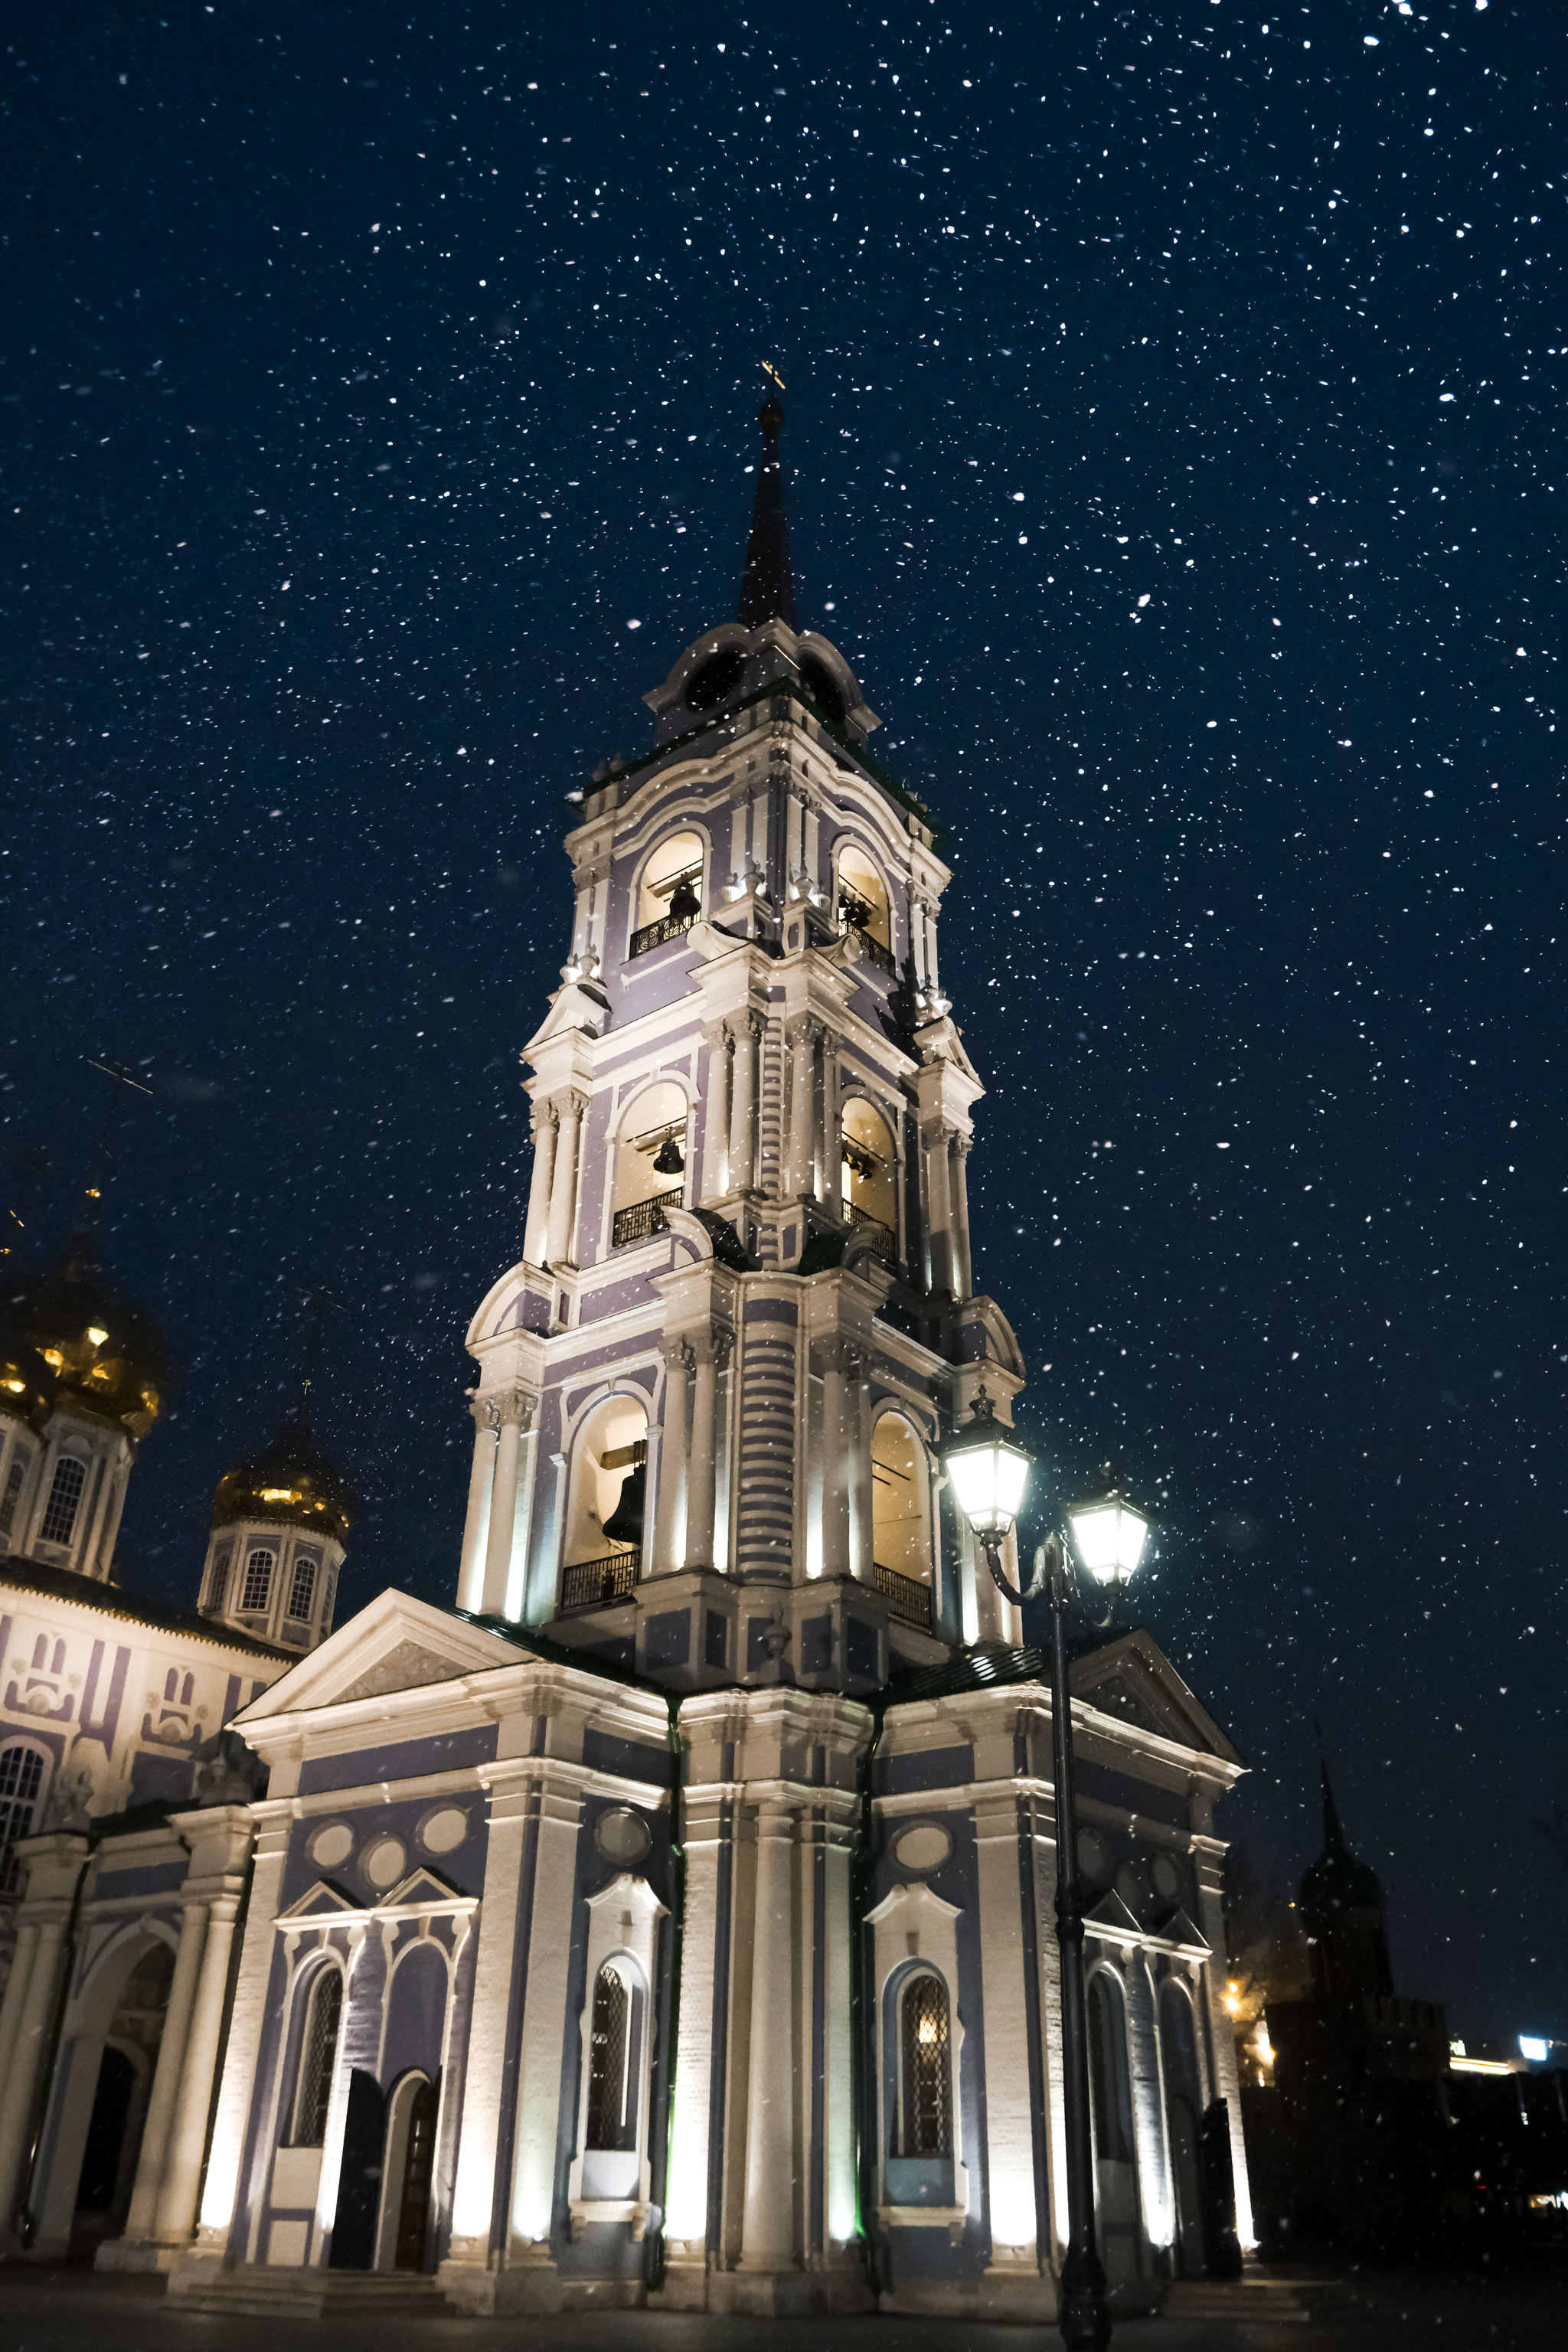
[{"x": 1347, "y": 2311}]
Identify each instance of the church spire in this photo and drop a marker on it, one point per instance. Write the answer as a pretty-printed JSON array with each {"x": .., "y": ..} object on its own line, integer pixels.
[
  {"x": 1333, "y": 1835},
  {"x": 767, "y": 585}
]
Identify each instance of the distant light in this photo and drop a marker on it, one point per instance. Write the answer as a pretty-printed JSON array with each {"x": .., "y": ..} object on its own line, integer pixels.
[
  {"x": 634, "y": 624},
  {"x": 1531, "y": 2045},
  {"x": 1369, "y": 40},
  {"x": 97, "y": 1334}
]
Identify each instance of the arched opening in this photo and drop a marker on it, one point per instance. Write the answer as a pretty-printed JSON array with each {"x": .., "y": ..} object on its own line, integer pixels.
[
  {"x": 317, "y": 2059},
  {"x": 669, "y": 898},
  {"x": 218, "y": 1578},
  {"x": 256, "y": 1588},
  {"x": 925, "y": 2069},
  {"x": 1183, "y": 2104},
  {"x": 408, "y": 2174},
  {"x": 1111, "y": 2110},
  {"x": 863, "y": 897},
  {"x": 900, "y": 1519},
  {"x": 23, "y": 1769},
  {"x": 823, "y": 687},
  {"x": 125, "y": 2070},
  {"x": 612, "y": 2110},
  {"x": 869, "y": 1183},
  {"x": 602, "y": 1556},
  {"x": 650, "y": 1163}
]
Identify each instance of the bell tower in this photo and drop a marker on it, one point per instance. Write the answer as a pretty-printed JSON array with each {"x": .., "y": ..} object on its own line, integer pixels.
[{"x": 711, "y": 1395}]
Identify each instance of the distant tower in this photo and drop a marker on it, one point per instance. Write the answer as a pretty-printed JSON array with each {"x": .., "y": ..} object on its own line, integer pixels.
[
  {"x": 713, "y": 1394},
  {"x": 279, "y": 1523},
  {"x": 84, "y": 1377},
  {"x": 1345, "y": 1915}
]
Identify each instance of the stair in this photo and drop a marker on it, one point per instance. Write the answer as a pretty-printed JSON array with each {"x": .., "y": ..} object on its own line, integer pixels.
[
  {"x": 286, "y": 2294},
  {"x": 1252, "y": 2297}
]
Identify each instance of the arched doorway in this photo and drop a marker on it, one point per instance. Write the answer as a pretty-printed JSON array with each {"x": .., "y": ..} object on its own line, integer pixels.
[
  {"x": 125, "y": 2069},
  {"x": 410, "y": 2168},
  {"x": 604, "y": 1548},
  {"x": 1183, "y": 2104}
]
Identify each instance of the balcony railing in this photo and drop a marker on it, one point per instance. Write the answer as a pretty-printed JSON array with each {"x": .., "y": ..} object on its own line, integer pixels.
[
  {"x": 654, "y": 935},
  {"x": 598, "y": 1583},
  {"x": 865, "y": 943},
  {"x": 910, "y": 1600},
  {"x": 882, "y": 1238},
  {"x": 644, "y": 1218}
]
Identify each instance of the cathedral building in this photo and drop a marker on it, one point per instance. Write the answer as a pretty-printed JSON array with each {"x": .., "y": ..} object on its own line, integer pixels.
[{"x": 668, "y": 1921}]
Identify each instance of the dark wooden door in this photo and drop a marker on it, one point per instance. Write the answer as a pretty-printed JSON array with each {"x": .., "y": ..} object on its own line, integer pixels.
[
  {"x": 359, "y": 2183},
  {"x": 419, "y": 2164}
]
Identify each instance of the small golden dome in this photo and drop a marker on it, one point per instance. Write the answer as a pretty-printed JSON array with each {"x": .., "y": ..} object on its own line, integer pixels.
[
  {"x": 27, "y": 1383},
  {"x": 100, "y": 1349},
  {"x": 290, "y": 1481}
]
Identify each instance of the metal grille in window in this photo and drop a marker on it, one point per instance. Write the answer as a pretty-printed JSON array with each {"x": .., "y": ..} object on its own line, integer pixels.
[
  {"x": 301, "y": 1592},
  {"x": 217, "y": 1577},
  {"x": 609, "y": 2125},
  {"x": 928, "y": 2082},
  {"x": 14, "y": 1478},
  {"x": 317, "y": 2059},
  {"x": 21, "y": 1775},
  {"x": 60, "y": 1512},
  {"x": 258, "y": 1579}
]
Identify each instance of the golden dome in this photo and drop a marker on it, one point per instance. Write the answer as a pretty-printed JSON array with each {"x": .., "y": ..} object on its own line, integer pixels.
[
  {"x": 27, "y": 1384},
  {"x": 290, "y": 1481},
  {"x": 101, "y": 1350}
]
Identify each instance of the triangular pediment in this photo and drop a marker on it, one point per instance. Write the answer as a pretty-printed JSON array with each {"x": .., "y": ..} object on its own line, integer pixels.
[
  {"x": 1177, "y": 1929},
  {"x": 422, "y": 1890},
  {"x": 1111, "y": 1914},
  {"x": 397, "y": 1643},
  {"x": 322, "y": 1901},
  {"x": 1133, "y": 1681}
]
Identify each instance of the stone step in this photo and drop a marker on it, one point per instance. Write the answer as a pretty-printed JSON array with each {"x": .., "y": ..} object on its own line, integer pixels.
[
  {"x": 1265, "y": 2299},
  {"x": 309, "y": 2295}
]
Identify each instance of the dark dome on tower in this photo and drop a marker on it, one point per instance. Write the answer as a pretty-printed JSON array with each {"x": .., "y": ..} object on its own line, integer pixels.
[
  {"x": 100, "y": 1349},
  {"x": 291, "y": 1482}
]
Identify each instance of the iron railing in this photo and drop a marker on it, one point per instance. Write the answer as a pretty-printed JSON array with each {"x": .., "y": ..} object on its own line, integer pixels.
[
  {"x": 910, "y": 1600},
  {"x": 882, "y": 1238},
  {"x": 871, "y": 947},
  {"x": 654, "y": 935},
  {"x": 644, "y": 1218},
  {"x": 596, "y": 1584}
]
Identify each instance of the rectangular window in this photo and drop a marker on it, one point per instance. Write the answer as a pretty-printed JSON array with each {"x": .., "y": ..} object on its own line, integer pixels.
[
  {"x": 217, "y": 1577},
  {"x": 21, "y": 1775},
  {"x": 65, "y": 1494},
  {"x": 258, "y": 1569}
]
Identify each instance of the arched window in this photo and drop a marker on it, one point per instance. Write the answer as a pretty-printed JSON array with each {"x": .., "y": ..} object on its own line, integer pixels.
[
  {"x": 900, "y": 1535},
  {"x": 217, "y": 1576},
  {"x": 605, "y": 1515},
  {"x": 258, "y": 1568},
  {"x": 65, "y": 1494},
  {"x": 59, "y": 1666},
  {"x": 15, "y": 1477},
  {"x": 670, "y": 898},
  {"x": 317, "y": 2059},
  {"x": 650, "y": 1163},
  {"x": 925, "y": 2069},
  {"x": 613, "y": 2061},
  {"x": 40, "y": 1653},
  {"x": 21, "y": 1778},
  {"x": 302, "y": 1589},
  {"x": 187, "y": 1690},
  {"x": 870, "y": 1188},
  {"x": 863, "y": 897},
  {"x": 171, "y": 1685},
  {"x": 1111, "y": 2091}
]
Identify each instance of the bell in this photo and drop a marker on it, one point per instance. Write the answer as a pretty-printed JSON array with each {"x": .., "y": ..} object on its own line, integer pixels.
[
  {"x": 624, "y": 1524},
  {"x": 684, "y": 906},
  {"x": 667, "y": 1161}
]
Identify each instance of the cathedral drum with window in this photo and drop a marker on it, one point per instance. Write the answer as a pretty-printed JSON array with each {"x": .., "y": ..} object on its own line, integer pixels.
[{"x": 668, "y": 1922}]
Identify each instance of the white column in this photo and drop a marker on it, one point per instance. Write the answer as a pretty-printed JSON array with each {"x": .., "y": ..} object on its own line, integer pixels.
[
  {"x": 546, "y": 1128},
  {"x": 802, "y": 1102},
  {"x": 716, "y": 1111},
  {"x": 476, "y": 2186},
  {"x": 544, "y": 2025},
  {"x": 832, "y": 1356},
  {"x": 522, "y": 1518},
  {"x": 699, "y": 1546},
  {"x": 939, "y": 1209},
  {"x": 743, "y": 1130},
  {"x": 958, "y": 1208},
  {"x": 767, "y": 2229},
  {"x": 687, "y": 2192},
  {"x": 512, "y": 1412},
  {"x": 221, "y": 2191},
  {"x": 476, "y": 1524},
  {"x": 176, "y": 2209},
  {"x": 857, "y": 1467},
  {"x": 1009, "y": 2118},
  {"x": 28, "y": 2053},
  {"x": 670, "y": 1517},
  {"x": 141, "y": 2217},
  {"x": 564, "y": 1189},
  {"x": 17, "y": 1992},
  {"x": 1222, "y": 2037}
]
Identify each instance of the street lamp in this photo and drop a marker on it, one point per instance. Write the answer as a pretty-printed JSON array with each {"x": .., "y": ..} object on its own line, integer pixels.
[{"x": 988, "y": 1468}]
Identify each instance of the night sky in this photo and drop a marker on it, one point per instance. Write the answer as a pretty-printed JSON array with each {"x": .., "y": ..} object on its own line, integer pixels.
[{"x": 1172, "y": 431}]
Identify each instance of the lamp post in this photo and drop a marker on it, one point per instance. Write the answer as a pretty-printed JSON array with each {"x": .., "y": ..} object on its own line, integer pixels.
[{"x": 989, "y": 1467}]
